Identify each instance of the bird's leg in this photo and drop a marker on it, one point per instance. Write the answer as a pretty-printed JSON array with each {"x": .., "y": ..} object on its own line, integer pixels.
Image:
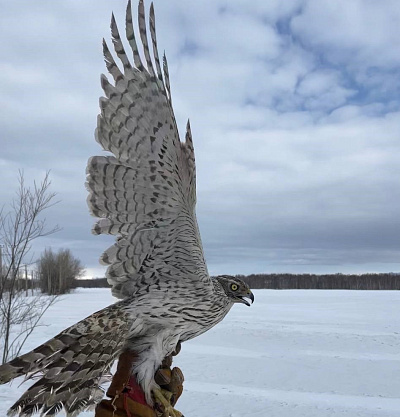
[{"x": 163, "y": 397}]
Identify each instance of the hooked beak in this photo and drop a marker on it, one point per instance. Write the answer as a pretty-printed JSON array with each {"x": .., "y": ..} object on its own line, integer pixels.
[{"x": 243, "y": 299}]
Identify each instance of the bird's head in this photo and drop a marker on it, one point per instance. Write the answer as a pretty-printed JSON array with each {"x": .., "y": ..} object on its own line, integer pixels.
[{"x": 236, "y": 289}]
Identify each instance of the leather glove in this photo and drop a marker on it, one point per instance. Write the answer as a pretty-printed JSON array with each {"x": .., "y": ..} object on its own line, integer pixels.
[
  {"x": 170, "y": 381},
  {"x": 127, "y": 397}
]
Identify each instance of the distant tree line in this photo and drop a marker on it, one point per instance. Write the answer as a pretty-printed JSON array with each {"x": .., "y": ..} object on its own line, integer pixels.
[
  {"x": 91, "y": 283},
  {"x": 386, "y": 281},
  {"x": 389, "y": 281},
  {"x": 58, "y": 271}
]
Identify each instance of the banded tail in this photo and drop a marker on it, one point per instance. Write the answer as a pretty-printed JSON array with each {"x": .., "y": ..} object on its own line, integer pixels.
[{"x": 71, "y": 366}]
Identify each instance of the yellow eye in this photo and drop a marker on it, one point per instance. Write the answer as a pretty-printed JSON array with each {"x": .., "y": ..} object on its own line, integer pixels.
[{"x": 234, "y": 287}]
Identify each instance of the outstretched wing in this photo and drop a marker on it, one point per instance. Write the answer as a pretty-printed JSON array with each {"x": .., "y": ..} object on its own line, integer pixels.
[{"x": 145, "y": 193}]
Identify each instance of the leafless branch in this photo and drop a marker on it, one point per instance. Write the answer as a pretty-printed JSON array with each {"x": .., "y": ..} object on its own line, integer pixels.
[{"x": 19, "y": 227}]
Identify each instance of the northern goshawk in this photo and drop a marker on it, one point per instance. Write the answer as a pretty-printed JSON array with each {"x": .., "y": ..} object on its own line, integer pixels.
[{"x": 145, "y": 194}]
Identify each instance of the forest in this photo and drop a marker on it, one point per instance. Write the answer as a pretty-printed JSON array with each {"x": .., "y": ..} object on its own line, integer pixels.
[{"x": 383, "y": 281}]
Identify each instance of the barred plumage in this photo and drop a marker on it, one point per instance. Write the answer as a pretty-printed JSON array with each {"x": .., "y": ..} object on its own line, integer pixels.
[{"x": 145, "y": 195}]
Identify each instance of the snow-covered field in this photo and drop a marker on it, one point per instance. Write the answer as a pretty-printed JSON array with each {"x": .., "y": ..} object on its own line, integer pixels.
[{"x": 293, "y": 353}]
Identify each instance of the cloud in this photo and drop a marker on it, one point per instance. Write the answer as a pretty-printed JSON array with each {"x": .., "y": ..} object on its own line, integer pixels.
[
  {"x": 294, "y": 108},
  {"x": 358, "y": 38},
  {"x": 361, "y": 31}
]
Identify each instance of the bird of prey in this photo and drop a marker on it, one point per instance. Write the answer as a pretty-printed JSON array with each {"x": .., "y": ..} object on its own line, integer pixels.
[{"x": 144, "y": 193}]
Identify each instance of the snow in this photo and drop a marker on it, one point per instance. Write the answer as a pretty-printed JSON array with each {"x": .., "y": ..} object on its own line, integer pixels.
[{"x": 292, "y": 354}]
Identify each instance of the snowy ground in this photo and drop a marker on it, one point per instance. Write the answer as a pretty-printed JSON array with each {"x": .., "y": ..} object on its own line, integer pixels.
[{"x": 293, "y": 353}]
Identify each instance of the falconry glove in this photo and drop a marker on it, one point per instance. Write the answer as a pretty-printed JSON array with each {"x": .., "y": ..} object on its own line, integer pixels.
[
  {"x": 127, "y": 398},
  {"x": 171, "y": 383}
]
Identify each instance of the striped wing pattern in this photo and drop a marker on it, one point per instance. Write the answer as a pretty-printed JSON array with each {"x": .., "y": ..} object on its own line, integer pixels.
[{"x": 145, "y": 192}]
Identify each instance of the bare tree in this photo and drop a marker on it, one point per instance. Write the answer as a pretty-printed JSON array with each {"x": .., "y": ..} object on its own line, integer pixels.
[
  {"x": 19, "y": 227},
  {"x": 58, "y": 271}
]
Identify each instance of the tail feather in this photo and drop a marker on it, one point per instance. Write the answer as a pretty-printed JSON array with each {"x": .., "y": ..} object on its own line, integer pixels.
[
  {"x": 72, "y": 365},
  {"x": 31, "y": 362},
  {"x": 81, "y": 382}
]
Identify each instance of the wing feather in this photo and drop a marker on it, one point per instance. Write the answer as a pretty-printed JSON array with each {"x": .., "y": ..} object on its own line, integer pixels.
[
  {"x": 152, "y": 24},
  {"x": 130, "y": 35},
  {"x": 143, "y": 37},
  {"x": 166, "y": 76},
  {"x": 119, "y": 49},
  {"x": 145, "y": 193}
]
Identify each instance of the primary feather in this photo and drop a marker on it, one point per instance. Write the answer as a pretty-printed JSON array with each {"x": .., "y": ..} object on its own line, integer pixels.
[{"x": 144, "y": 193}]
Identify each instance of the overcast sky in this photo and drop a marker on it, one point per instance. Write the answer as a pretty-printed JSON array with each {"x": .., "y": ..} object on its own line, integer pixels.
[{"x": 295, "y": 113}]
